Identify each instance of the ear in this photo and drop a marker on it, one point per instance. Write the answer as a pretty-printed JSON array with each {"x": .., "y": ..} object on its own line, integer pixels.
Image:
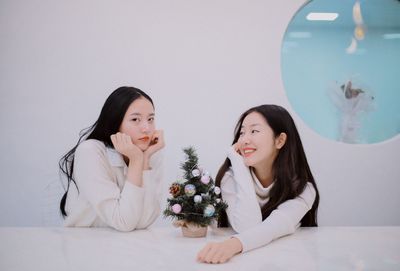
[{"x": 280, "y": 140}]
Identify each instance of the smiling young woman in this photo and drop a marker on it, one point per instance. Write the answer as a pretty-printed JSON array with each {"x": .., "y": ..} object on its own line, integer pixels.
[
  {"x": 267, "y": 183},
  {"x": 115, "y": 166}
]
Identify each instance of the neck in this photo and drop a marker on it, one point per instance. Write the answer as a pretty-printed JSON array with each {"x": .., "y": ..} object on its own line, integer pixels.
[{"x": 264, "y": 175}]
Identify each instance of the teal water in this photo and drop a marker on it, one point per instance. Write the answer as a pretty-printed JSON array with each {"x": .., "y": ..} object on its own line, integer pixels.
[{"x": 314, "y": 60}]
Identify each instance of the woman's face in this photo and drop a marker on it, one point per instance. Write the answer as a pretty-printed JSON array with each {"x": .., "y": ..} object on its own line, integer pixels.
[
  {"x": 138, "y": 123},
  {"x": 257, "y": 143}
]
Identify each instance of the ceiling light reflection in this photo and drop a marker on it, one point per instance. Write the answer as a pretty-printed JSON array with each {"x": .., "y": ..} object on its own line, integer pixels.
[
  {"x": 321, "y": 16},
  {"x": 299, "y": 35},
  {"x": 391, "y": 36}
]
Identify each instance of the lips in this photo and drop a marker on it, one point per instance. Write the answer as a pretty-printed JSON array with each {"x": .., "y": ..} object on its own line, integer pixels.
[
  {"x": 144, "y": 139},
  {"x": 248, "y": 151}
]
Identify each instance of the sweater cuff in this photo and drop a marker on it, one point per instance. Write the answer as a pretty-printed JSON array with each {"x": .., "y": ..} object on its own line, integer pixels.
[
  {"x": 245, "y": 246},
  {"x": 156, "y": 160},
  {"x": 149, "y": 179},
  {"x": 232, "y": 153},
  {"x": 132, "y": 191},
  {"x": 236, "y": 159},
  {"x": 250, "y": 242}
]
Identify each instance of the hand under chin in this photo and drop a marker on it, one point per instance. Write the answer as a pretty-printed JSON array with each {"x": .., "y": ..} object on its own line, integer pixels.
[{"x": 143, "y": 146}]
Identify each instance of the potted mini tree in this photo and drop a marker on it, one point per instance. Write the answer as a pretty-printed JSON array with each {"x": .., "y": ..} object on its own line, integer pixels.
[{"x": 195, "y": 201}]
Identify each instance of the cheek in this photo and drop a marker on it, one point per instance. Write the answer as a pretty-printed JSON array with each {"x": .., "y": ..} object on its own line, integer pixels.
[
  {"x": 265, "y": 150},
  {"x": 122, "y": 129},
  {"x": 130, "y": 130},
  {"x": 134, "y": 132},
  {"x": 271, "y": 153},
  {"x": 152, "y": 128}
]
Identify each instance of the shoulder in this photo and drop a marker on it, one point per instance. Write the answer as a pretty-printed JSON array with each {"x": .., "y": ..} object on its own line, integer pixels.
[
  {"x": 91, "y": 146},
  {"x": 309, "y": 188},
  {"x": 228, "y": 176},
  {"x": 92, "y": 143},
  {"x": 309, "y": 193}
]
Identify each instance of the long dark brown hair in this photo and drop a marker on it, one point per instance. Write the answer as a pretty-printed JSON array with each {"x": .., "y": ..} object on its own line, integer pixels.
[
  {"x": 290, "y": 168},
  {"x": 108, "y": 123}
]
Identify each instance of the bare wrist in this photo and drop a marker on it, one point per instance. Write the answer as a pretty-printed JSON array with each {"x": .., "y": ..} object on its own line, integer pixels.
[
  {"x": 237, "y": 244},
  {"x": 136, "y": 162}
]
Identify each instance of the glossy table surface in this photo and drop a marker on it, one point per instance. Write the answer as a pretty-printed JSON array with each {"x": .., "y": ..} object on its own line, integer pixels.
[{"x": 164, "y": 248}]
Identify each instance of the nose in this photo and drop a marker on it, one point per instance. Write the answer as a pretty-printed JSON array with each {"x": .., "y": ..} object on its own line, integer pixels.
[
  {"x": 244, "y": 139},
  {"x": 145, "y": 127}
]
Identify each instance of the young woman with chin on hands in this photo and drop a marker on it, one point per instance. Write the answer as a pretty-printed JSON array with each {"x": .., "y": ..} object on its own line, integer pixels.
[
  {"x": 116, "y": 167},
  {"x": 267, "y": 183}
]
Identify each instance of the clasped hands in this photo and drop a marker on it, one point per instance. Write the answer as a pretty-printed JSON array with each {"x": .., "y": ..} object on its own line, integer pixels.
[{"x": 124, "y": 145}]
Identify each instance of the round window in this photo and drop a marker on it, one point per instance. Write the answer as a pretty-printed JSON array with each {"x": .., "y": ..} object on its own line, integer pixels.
[{"x": 340, "y": 68}]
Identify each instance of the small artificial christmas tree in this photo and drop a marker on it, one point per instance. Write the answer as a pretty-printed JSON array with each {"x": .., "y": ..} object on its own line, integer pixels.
[{"x": 195, "y": 201}]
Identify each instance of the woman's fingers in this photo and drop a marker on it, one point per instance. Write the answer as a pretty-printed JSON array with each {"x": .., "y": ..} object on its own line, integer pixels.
[
  {"x": 212, "y": 253},
  {"x": 158, "y": 138},
  {"x": 113, "y": 140},
  {"x": 236, "y": 147},
  {"x": 215, "y": 255},
  {"x": 123, "y": 144},
  {"x": 126, "y": 139},
  {"x": 201, "y": 255},
  {"x": 157, "y": 143},
  {"x": 220, "y": 252}
]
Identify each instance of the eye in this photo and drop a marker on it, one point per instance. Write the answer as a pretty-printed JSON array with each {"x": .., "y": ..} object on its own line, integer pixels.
[
  {"x": 241, "y": 133},
  {"x": 151, "y": 119},
  {"x": 136, "y": 119},
  {"x": 254, "y": 131}
]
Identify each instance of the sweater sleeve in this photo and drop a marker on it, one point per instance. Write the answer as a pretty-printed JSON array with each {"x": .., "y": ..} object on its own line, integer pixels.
[
  {"x": 152, "y": 183},
  {"x": 284, "y": 220},
  {"x": 238, "y": 191},
  {"x": 118, "y": 209}
]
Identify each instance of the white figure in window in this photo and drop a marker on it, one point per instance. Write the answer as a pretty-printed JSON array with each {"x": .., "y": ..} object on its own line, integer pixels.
[{"x": 352, "y": 102}]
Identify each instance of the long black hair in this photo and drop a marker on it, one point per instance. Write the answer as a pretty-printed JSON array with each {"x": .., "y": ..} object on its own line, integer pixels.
[
  {"x": 108, "y": 123},
  {"x": 290, "y": 168}
]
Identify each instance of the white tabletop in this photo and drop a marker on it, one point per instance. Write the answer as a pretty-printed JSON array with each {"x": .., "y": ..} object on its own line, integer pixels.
[{"x": 164, "y": 248}]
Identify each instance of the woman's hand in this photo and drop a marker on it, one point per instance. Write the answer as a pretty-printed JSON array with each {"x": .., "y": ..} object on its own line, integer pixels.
[
  {"x": 157, "y": 143},
  {"x": 220, "y": 252},
  {"x": 236, "y": 148},
  {"x": 123, "y": 144}
]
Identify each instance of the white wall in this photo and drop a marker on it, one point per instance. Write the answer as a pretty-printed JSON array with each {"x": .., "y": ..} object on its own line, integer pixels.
[{"x": 203, "y": 62}]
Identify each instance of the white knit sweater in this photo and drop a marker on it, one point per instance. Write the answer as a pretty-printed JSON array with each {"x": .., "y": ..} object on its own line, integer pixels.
[
  {"x": 238, "y": 188},
  {"x": 105, "y": 198}
]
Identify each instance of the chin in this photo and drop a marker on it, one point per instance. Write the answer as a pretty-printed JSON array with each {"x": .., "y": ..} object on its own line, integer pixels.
[
  {"x": 248, "y": 162},
  {"x": 142, "y": 146}
]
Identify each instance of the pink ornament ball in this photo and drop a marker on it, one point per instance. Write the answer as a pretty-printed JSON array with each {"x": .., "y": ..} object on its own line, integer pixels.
[
  {"x": 205, "y": 179},
  {"x": 176, "y": 208}
]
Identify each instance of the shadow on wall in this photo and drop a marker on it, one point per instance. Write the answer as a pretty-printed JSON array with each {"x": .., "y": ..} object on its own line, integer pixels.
[{"x": 50, "y": 211}]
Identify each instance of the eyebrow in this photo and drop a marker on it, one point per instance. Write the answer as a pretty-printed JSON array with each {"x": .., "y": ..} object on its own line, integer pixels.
[
  {"x": 252, "y": 125},
  {"x": 138, "y": 114}
]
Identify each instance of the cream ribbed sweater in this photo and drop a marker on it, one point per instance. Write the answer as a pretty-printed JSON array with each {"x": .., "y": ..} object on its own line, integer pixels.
[{"x": 238, "y": 188}]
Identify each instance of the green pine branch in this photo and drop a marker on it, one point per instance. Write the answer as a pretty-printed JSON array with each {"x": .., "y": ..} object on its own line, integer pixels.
[
  {"x": 193, "y": 212},
  {"x": 191, "y": 162}
]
